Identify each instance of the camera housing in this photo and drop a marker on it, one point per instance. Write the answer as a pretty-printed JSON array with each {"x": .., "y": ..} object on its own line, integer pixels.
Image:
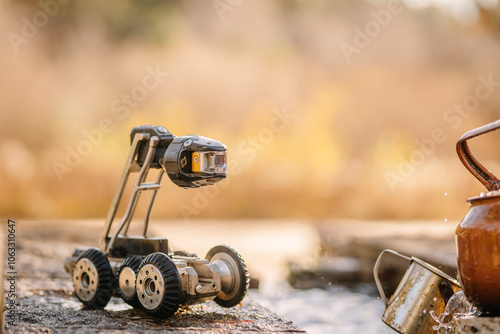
[
  {"x": 190, "y": 161},
  {"x": 195, "y": 161}
]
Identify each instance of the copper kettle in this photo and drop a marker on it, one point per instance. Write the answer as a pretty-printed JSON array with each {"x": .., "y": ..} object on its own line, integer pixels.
[{"x": 478, "y": 235}]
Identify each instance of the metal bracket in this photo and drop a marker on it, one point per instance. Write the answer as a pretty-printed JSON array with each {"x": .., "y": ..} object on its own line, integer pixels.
[{"x": 131, "y": 166}]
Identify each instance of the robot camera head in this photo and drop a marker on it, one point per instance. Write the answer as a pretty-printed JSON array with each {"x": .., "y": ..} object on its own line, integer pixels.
[{"x": 195, "y": 161}]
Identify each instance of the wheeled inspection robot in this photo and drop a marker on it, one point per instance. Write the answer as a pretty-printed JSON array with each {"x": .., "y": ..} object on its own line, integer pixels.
[{"x": 143, "y": 270}]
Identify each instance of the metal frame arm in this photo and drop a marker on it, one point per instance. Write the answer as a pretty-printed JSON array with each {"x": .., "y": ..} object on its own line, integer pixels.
[
  {"x": 129, "y": 166},
  {"x": 151, "y": 202},
  {"x": 138, "y": 187}
]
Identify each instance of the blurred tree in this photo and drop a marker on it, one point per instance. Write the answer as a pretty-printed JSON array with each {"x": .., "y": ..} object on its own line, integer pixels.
[
  {"x": 148, "y": 21},
  {"x": 489, "y": 17}
]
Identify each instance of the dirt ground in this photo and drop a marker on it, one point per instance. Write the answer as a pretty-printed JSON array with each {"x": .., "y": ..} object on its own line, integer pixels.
[{"x": 45, "y": 302}]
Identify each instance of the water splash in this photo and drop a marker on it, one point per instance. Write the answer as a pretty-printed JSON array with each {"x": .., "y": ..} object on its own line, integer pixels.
[{"x": 458, "y": 305}]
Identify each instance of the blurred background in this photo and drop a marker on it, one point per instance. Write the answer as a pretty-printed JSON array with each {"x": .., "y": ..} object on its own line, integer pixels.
[
  {"x": 334, "y": 113},
  {"x": 326, "y": 106}
]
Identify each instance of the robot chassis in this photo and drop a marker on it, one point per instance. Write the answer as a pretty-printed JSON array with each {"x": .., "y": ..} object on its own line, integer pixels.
[{"x": 143, "y": 270}]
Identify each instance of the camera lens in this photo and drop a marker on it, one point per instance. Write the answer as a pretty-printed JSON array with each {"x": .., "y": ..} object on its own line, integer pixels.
[{"x": 219, "y": 161}]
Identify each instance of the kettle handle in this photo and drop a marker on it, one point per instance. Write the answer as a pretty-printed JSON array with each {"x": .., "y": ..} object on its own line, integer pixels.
[
  {"x": 485, "y": 176},
  {"x": 375, "y": 272}
]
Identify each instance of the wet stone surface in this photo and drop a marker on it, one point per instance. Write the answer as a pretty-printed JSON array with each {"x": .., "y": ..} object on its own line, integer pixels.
[
  {"x": 45, "y": 302},
  {"x": 57, "y": 312}
]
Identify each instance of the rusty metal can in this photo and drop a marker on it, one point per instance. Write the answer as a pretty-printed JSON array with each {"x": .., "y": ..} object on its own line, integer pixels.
[{"x": 422, "y": 292}]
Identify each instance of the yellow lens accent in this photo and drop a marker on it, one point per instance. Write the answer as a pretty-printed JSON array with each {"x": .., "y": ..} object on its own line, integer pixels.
[{"x": 196, "y": 162}]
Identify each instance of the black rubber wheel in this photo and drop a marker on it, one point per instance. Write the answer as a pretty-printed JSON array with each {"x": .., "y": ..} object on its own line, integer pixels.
[
  {"x": 158, "y": 285},
  {"x": 93, "y": 279},
  {"x": 126, "y": 280},
  {"x": 234, "y": 275}
]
